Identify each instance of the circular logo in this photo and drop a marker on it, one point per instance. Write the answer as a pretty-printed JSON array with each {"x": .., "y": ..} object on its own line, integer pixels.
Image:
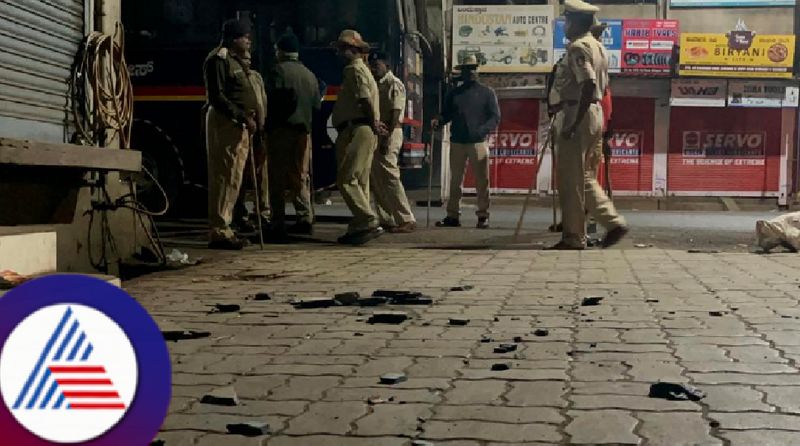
[
  {"x": 81, "y": 362},
  {"x": 778, "y": 53}
]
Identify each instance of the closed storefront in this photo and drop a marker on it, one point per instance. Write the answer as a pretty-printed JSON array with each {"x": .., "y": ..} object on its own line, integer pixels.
[
  {"x": 38, "y": 43},
  {"x": 632, "y": 145}
]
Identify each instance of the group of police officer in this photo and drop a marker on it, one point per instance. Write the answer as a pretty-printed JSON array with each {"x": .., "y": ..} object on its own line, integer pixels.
[{"x": 368, "y": 117}]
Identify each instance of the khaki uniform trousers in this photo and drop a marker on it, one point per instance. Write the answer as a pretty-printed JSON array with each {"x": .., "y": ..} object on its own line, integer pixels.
[
  {"x": 289, "y": 163},
  {"x": 478, "y": 156},
  {"x": 355, "y": 147},
  {"x": 390, "y": 196},
  {"x": 262, "y": 166},
  {"x": 578, "y": 189},
  {"x": 227, "y": 146}
]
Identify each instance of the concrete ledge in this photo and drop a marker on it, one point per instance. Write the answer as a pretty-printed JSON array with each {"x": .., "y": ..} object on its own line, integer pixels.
[{"x": 30, "y": 153}]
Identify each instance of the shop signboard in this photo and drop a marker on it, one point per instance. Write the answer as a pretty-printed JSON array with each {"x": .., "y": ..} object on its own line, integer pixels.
[
  {"x": 612, "y": 39},
  {"x": 740, "y": 53},
  {"x": 698, "y": 93},
  {"x": 764, "y": 94},
  {"x": 504, "y": 38},
  {"x": 647, "y": 46},
  {"x": 729, "y": 3}
]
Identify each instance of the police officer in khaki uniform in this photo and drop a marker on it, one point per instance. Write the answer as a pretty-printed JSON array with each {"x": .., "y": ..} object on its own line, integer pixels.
[
  {"x": 356, "y": 117},
  {"x": 240, "y": 213},
  {"x": 394, "y": 212},
  {"x": 579, "y": 88},
  {"x": 231, "y": 119}
]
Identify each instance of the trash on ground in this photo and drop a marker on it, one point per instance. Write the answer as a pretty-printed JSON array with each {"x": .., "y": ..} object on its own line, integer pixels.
[
  {"x": 591, "y": 301},
  {"x": 314, "y": 302},
  {"x": 462, "y": 288},
  {"x": 501, "y": 366},
  {"x": 642, "y": 245},
  {"x": 388, "y": 317},
  {"x": 393, "y": 378},
  {"x": 783, "y": 231},
  {"x": 459, "y": 321},
  {"x": 180, "y": 258},
  {"x": 224, "y": 396},
  {"x": 541, "y": 332},
  {"x": 375, "y": 400},
  {"x": 248, "y": 428},
  {"x": 676, "y": 392},
  {"x": 347, "y": 299}
]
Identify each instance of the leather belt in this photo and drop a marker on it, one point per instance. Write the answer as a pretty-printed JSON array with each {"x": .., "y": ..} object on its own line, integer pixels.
[{"x": 352, "y": 123}]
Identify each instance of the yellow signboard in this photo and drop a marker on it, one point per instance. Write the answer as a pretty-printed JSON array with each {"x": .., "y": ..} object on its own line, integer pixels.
[{"x": 737, "y": 54}]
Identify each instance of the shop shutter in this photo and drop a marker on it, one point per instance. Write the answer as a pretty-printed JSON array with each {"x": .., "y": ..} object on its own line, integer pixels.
[{"x": 38, "y": 43}]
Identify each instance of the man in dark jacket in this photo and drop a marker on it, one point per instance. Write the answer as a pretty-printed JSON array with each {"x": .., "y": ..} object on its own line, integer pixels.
[
  {"x": 294, "y": 97},
  {"x": 230, "y": 123},
  {"x": 473, "y": 111}
]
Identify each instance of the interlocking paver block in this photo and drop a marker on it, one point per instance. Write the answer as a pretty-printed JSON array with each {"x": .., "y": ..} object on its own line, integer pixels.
[{"x": 602, "y": 426}]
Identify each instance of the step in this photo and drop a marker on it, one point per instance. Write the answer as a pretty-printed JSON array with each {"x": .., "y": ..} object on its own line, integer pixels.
[{"x": 28, "y": 251}]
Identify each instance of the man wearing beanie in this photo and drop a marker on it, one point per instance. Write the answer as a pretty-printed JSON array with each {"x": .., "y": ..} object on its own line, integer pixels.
[
  {"x": 294, "y": 96},
  {"x": 230, "y": 123}
]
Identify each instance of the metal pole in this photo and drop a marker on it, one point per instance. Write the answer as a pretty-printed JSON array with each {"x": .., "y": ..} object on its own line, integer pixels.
[
  {"x": 257, "y": 197},
  {"x": 547, "y": 143}
]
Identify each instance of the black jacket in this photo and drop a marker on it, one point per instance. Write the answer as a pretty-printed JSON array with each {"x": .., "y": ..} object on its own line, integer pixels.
[{"x": 472, "y": 109}]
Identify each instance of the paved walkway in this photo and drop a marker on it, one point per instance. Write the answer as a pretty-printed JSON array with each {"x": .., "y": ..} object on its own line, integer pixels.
[{"x": 726, "y": 323}]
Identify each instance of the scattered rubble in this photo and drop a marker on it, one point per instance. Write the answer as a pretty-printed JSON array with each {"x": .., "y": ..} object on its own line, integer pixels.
[
  {"x": 249, "y": 428},
  {"x": 421, "y": 443},
  {"x": 347, "y": 299},
  {"x": 223, "y": 396},
  {"x": 462, "y": 288},
  {"x": 226, "y": 308},
  {"x": 505, "y": 348},
  {"x": 393, "y": 378},
  {"x": 676, "y": 392},
  {"x": 541, "y": 332},
  {"x": 263, "y": 296},
  {"x": 486, "y": 339},
  {"x": 173, "y": 332},
  {"x": 716, "y": 313},
  {"x": 591, "y": 301},
  {"x": 459, "y": 321},
  {"x": 388, "y": 317},
  {"x": 518, "y": 339},
  {"x": 501, "y": 366},
  {"x": 703, "y": 251},
  {"x": 372, "y": 301},
  {"x": 314, "y": 302}
]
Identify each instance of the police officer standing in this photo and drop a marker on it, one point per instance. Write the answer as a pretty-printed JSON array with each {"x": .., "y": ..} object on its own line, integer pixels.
[
  {"x": 295, "y": 95},
  {"x": 394, "y": 212},
  {"x": 580, "y": 87},
  {"x": 356, "y": 117},
  {"x": 230, "y": 123}
]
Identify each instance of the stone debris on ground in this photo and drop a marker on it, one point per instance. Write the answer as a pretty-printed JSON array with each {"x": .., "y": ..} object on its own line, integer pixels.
[
  {"x": 459, "y": 321},
  {"x": 226, "y": 308},
  {"x": 388, "y": 317},
  {"x": 174, "y": 332},
  {"x": 501, "y": 366},
  {"x": 541, "y": 332},
  {"x": 519, "y": 339},
  {"x": 314, "y": 302},
  {"x": 421, "y": 443},
  {"x": 263, "y": 296},
  {"x": 486, "y": 339},
  {"x": 591, "y": 301},
  {"x": 223, "y": 396},
  {"x": 393, "y": 378},
  {"x": 462, "y": 288},
  {"x": 373, "y": 301},
  {"x": 347, "y": 299},
  {"x": 676, "y": 392},
  {"x": 248, "y": 428},
  {"x": 505, "y": 348}
]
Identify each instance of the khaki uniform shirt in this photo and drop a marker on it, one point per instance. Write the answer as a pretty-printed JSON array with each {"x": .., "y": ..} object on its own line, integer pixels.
[
  {"x": 586, "y": 59},
  {"x": 357, "y": 84},
  {"x": 392, "y": 94}
]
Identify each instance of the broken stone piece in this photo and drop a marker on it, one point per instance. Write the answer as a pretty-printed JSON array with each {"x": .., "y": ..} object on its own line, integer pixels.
[
  {"x": 249, "y": 428},
  {"x": 224, "y": 396},
  {"x": 314, "y": 302},
  {"x": 388, "y": 317},
  {"x": 263, "y": 296},
  {"x": 458, "y": 321},
  {"x": 227, "y": 308},
  {"x": 416, "y": 300},
  {"x": 505, "y": 348},
  {"x": 396, "y": 294},
  {"x": 715, "y": 313},
  {"x": 591, "y": 301},
  {"x": 462, "y": 288},
  {"x": 421, "y": 443},
  {"x": 676, "y": 392},
  {"x": 541, "y": 332},
  {"x": 501, "y": 366},
  {"x": 393, "y": 378},
  {"x": 173, "y": 332},
  {"x": 374, "y": 400},
  {"x": 372, "y": 301},
  {"x": 518, "y": 339},
  {"x": 652, "y": 301},
  {"x": 486, "y": 339},
  {"x": 703, "y": 251},
  {"x": 347, "y": 299}
]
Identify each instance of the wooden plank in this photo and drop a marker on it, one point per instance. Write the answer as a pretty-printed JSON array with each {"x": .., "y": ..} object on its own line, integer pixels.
[{"x": 31, "y": 153}]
